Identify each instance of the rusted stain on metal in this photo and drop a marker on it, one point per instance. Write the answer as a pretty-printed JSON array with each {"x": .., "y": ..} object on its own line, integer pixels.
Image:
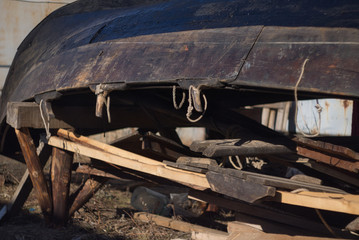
[
  {"x": 327, "y": 105},
  {"x": 345, "y": 104}
]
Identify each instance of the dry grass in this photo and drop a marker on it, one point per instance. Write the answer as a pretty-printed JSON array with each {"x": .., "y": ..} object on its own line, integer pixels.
[{"x": 108, "y": 215}]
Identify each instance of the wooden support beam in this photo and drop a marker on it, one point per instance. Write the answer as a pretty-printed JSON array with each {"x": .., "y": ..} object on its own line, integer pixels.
[
  {"x": 24, "y": 188},
  {"x": 85, "y": 141},
  {"x": 89, "y": 188},
  {"x": 35, "y": 170},
  {"x": 175, "y": 224},
  {"x": 132, "y": 161},
  {"x": 196, "y": 180},
  {"x": 60, "y": 181},
  {"x": 27, "y": 114}
]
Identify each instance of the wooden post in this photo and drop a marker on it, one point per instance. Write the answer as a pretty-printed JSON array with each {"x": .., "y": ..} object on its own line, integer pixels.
[
  {"x": 24, "y": 188},
  {"x": 60, "y": 181},
  {"x": 84, "y": 194},
  {"x": 35, "y": 170}
]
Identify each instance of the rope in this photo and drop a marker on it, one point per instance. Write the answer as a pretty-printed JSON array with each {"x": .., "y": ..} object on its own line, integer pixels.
[
  {"x": 108, "y": 109},
  {"x": 318, "y": 107},
  {"x": 325, "y": 223},
  {"x": 240, "y": 167},
  {"x": 174, "y": 98},
  {"x": 190, "y": 106},
  {"x": 299, "y": 190},
  {"x": 46, "y": 124}
]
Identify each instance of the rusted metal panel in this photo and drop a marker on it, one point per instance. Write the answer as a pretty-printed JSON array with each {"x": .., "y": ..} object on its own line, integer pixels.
[{"x": 335, "y": 117}]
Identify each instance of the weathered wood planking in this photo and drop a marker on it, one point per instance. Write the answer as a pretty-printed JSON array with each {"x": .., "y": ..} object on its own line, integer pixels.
[
  {"x": 197, "y": 162},
  {"x": 241, "y": 147},
  {"x": 133, "y": 161},
  {"x": 339, "y": 162},
  {"x": 145, "y": 165},
  {"x": 185, "y": 167},
  {"x": 238, "y": 188},
  {"x": 146, "y": 44},
  {"x": 328, "y": 147},
  {"x": 149, "y": 58},
  {"x": 279, "y": 182},
  {"x": 277, "y": 57},
  {"x": 27, "y": 114}
]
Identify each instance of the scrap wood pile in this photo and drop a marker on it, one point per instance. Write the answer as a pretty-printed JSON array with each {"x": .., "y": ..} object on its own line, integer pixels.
[
  {"x": 311, "y": 190},
  {"x": 129, "y": 61}
]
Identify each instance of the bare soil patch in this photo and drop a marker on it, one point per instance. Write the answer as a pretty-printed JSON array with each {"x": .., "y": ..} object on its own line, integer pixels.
[{"x": 108, "y": 215}]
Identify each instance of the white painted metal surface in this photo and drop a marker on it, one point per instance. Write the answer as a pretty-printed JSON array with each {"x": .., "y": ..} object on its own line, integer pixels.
[
  {"x": 17, "y": 19},
  {"x": 335, "y": 119}
]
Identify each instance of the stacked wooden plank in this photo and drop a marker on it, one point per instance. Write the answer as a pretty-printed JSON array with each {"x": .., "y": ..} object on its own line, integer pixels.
[{"x": 256, "y": 195}]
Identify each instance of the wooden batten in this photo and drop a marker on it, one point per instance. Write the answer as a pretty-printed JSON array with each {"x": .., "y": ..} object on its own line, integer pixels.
[
  {"x": 35, "y": 170},
  {"x": 332, "y": 160},
  {"x": 86, "y": 191},
  {"x": 345, "y": 203},
  {"x": 176, "y": 224},
  {"x": 113, "y": 155},
  {"x": 60, "y": 182},
  {"x": 132, "y": 161},
  {"x": 27, "y": 114}
]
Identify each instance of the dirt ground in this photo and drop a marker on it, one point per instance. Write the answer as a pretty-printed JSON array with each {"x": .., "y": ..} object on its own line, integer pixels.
[{"x": 108, "y": 215}]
